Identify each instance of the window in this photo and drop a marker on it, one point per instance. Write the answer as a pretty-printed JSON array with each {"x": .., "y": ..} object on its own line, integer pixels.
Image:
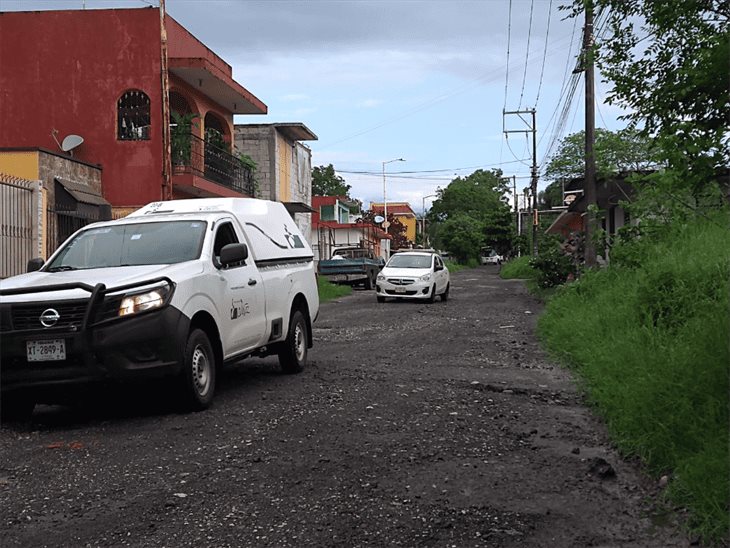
[
  {"x": 224, "y": 236},
  {"x": 133, "y": 116}
]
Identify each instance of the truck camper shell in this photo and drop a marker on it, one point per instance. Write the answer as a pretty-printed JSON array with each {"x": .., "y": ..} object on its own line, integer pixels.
[{"x": 271, "y": 231}]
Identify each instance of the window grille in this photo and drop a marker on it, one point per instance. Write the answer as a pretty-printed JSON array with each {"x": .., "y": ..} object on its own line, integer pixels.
[{"x": 133, "y": 116}]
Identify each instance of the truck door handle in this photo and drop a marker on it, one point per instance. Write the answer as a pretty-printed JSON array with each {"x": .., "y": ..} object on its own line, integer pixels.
[{"x": 251, "y": 281}]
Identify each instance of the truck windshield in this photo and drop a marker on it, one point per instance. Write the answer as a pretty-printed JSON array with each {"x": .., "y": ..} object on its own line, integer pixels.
[{"x": 165, "y": 242}]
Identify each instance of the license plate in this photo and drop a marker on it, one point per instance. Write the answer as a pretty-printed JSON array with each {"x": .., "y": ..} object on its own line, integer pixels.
[
  {"x": 45, "y": 351},
  {"x": 400, "y": 289}
]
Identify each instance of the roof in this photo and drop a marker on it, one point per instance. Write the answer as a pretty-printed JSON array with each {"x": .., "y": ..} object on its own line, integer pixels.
[
  {"x": 294, "y": 131},
  {"x": 204, "y": 76},
  {"x": 81, "y": 192},
  {"x": 394, "y": 208}
]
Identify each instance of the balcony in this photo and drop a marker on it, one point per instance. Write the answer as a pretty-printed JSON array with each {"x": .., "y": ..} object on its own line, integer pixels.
[{"x": 197, "y": 163}]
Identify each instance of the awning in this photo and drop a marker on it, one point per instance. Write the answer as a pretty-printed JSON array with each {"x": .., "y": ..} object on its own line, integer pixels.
[
  {"x": 298, "y": 207},
  {"x": 80, "y": 200}
]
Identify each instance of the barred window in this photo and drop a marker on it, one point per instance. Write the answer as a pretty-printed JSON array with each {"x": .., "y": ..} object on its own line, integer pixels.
[{"x": 133, "y": 116}]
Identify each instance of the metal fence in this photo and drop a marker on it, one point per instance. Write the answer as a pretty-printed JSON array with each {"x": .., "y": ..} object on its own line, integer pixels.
[
  {"x": 21, "y": 223},
  {"x": 191, "y": 154}
]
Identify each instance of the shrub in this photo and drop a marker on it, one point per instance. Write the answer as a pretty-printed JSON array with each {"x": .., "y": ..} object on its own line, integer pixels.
[{"x": 553, "y": 268}]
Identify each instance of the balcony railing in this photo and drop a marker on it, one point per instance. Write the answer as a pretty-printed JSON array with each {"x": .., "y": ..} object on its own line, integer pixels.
[{"x": 191, "y": 154}]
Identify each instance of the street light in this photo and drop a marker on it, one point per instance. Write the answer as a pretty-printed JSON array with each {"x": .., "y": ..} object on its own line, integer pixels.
[
  {"x": 386, "y": 224},
  {"x": 423, "y": 218}
]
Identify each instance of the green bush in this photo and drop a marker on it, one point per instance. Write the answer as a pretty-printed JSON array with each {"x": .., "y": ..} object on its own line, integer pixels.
[
  {"x": 553, "y": 268},
  {"x": 650, "y": 345}
]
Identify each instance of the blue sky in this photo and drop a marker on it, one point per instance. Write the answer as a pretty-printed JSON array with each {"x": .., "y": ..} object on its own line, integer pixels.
[{"x": 426, "y": 81}]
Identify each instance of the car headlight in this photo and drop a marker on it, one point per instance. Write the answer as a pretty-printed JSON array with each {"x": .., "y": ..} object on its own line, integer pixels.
[
  {"x": 147, "y": 300},
  {"x": 380, "y": 277},
  {"x": 425, "y": 277}
]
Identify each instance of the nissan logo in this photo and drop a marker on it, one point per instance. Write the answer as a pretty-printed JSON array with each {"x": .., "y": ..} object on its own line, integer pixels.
[{"x": 49, "y": 317}]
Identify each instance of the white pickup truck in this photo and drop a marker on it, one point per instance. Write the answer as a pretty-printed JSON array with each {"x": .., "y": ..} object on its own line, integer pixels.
[{"x": 174, "y": 290}]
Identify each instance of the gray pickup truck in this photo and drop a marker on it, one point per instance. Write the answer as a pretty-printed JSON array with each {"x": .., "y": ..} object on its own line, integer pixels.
[{"x": 352, "y": 266}]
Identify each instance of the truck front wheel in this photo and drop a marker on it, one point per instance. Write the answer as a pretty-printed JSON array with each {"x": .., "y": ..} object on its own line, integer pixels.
[
  {"x": 293, "y": 351},
  {"x": 198, "y": 374}
]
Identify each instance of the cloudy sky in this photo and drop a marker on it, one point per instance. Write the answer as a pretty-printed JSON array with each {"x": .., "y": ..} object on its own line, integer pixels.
[{"x": 426, "y": 81}]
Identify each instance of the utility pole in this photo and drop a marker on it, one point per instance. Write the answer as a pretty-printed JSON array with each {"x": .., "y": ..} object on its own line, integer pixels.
[
  {"x": 531, "y": 127},
  {"x": 517, "y": 205},
  {"x": 590, "y": 127},
  {"x": 165, "y": 103},
  {"x": 533, "y": 189}
]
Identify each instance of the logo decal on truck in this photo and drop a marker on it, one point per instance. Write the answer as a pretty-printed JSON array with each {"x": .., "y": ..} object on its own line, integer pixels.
[
  {"x": 293, "y": 240},
  {"x": 239, "y": 309}
]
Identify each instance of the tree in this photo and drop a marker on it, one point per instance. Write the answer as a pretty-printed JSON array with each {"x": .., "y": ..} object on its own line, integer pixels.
[
  {"x": 552, "y": 196},
  {"x": 396, "y": 229},
  {"x": 615, "y": 151},
  {"x": 472, "y": 195},
  {"x": 462, "y": 235},
  {"x": 481, "y": 197},
  {"x": 668, "y": 61},
  {"x": 325, "y": 182}
]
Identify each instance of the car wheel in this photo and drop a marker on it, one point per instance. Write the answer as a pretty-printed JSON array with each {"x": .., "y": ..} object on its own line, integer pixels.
[
  {"x": 432, "y": 296},
  {"x": 380, "y": 299},
  {"x": 445, "y": 294},
  {"x": 16, "y": 407},
  {"x": 198, "y": 373},
  {"x": 293, "y": 351}
]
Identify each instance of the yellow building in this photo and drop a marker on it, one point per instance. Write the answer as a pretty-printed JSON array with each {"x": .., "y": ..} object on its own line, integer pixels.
[{"x": 401, "y": 211}]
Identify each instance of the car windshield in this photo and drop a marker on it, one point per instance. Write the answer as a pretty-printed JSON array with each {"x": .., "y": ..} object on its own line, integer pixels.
[
  {"x": 132, "y": 244},
  {"x": 410, "y": 261}
]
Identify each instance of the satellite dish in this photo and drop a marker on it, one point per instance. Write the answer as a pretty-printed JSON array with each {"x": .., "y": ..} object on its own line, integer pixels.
[
  {"x": 71, "y": 142},
  {"x": 379, "y": 219}
]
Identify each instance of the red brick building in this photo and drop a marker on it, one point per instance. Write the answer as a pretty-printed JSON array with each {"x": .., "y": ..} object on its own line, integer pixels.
[{"x": 110, "y": 77}]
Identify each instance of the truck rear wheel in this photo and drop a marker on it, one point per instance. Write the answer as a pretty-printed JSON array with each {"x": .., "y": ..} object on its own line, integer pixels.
[
  {"x": 369, "y": 282},
  {"x": 197, "y": 381},
  {"x": 293, "y": 351}
]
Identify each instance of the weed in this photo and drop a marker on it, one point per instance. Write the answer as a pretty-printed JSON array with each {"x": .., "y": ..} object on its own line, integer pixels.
[{"x": 649, "y": 342}]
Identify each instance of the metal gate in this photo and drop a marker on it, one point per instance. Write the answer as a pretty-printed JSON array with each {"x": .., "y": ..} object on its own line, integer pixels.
[
  {"x": 21, "y": 223},
  {"x": 62, "y": 223}
]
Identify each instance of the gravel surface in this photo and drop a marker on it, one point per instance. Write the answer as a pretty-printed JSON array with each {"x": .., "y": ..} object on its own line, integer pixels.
[{"x": 414, "y": 424}]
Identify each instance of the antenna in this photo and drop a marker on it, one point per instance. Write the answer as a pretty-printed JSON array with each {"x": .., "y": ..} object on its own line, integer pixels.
[{"x": 71, "y": 142}]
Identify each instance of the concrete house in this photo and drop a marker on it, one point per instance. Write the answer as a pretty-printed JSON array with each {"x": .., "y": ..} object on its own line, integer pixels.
[{"x": 283, "y": 166}]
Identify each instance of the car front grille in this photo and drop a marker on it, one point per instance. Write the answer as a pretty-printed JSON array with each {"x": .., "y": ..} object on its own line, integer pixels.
[
  {"x": 401, "y": 281},
  {"x": 27, "y": 316}
]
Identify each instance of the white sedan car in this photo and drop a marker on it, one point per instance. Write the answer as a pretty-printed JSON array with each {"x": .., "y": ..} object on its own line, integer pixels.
[{"x": 413, "y": 275}]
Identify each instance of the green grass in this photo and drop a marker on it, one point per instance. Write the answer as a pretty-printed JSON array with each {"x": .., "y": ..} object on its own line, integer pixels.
[
  {"x": 329, "y": 291},
  {"x": 519, "y": 268},
  {"x": 650, "y": 346},
  {"x": 453, "y": 266}
]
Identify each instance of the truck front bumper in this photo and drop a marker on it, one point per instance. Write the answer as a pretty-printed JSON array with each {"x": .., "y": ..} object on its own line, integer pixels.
[
  {"x": 97, "y": 346},
  {"x": 150, "y": 345}
]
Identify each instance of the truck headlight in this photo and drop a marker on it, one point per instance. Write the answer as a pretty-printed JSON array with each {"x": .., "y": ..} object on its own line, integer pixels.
[
  {"x": 425, "y": 277},
  {"x": 147, "y": 300}
]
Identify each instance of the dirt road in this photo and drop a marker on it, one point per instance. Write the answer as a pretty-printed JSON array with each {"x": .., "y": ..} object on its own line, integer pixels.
[{"x": 415, "y": 425}]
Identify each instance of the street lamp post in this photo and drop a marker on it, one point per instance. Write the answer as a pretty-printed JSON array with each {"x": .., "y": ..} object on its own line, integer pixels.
[
  {"x": 386, "y": 224},
  {"x": 423, "y": 218}
]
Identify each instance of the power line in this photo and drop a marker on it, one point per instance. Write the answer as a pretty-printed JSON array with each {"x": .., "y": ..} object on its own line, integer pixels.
[
  {"x": 509, "y": 35},
  {"x": 544, "y": 53},
  {"x": 527, "y": 55},
  {"x": 395, "y": 173}
]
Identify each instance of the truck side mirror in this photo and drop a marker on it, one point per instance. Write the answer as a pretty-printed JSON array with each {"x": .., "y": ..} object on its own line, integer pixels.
[
  {"x": 233, "y": 253},
  {"x": 35, "y": 264}
]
